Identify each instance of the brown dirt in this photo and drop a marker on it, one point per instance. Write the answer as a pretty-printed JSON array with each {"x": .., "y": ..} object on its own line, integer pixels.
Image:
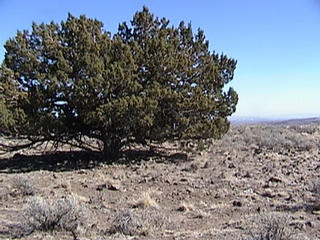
[{"x": 223, "y": 193}]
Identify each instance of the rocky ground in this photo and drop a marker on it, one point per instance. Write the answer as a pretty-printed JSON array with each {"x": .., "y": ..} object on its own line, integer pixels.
[{"x": 257, "y": 181}]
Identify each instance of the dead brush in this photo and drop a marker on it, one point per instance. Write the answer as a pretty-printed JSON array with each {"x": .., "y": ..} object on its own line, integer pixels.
[
  {"x": 48, "y": 215},
  {"x": 4, "y": 193},
  {"x": 271, "y": 227},
  {"x": 96, "y": 200},
  {"x": 137, "y": 222},
  {"x": 22, "y": 186},
  {"x": 315, "y": 189}
]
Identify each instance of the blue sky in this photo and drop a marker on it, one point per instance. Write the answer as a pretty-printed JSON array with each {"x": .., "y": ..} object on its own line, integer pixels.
[{"x": 276, "y": 42}]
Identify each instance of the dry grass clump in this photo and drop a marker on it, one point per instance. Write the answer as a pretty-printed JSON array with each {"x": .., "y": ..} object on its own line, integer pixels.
[
  {"x": 137, "y": 222},
  {"x": 48, "y": 215},
  {"x": 146, "y": 200},
  {"x": 22, "y": 186},
  {"x": 144, "y": 218}
]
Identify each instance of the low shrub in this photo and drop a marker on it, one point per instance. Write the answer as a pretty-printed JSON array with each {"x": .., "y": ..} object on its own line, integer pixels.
[
  {"x": 22, "y": 185},
  {"x": 271, "y": 227},
  {"x": 48, "y": 215},
  {"x": 137, "y": 222}
]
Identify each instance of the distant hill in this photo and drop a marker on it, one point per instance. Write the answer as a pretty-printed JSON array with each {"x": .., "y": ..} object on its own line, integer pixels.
[
  {"x": 275, "y": 121},
  {"x": 299, "y": 121}
]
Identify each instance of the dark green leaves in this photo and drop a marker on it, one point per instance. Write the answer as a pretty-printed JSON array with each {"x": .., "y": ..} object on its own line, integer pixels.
[{"x": 149, "y": 82}]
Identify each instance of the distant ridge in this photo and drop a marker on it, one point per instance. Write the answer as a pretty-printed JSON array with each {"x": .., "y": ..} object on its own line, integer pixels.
[
  {"x": 275, "y": 121},
  {"x": 299, "y": 121}
]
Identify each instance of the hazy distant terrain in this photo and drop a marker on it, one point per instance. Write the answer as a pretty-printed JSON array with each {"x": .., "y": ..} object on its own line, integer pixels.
[
  {"x": 259, "y": 178},
  {"x": 283, "y": 120},
  {"x": 302, "y": 121}
]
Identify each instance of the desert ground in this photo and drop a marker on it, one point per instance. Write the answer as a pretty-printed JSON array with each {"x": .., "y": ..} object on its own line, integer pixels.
[{"x": 260, "y": 182}]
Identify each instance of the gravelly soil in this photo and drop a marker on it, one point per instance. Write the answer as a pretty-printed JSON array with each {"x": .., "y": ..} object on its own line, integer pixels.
[{"x": 256, "y": 176}]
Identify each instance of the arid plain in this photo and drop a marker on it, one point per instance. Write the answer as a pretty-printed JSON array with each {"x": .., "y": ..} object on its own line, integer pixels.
[{"x": 261, "y": 181}]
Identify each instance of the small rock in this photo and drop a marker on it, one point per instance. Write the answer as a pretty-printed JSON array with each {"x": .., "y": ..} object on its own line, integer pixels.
[
  {"x": 317, "y": 212},
  {"x": 257, "y": 151},
  {"x": 199, "y": 215},
  {"x": 206, "y": 165},
  {"x": 217, "y": 195},
  {"x": 237, "y": 203},
  {"x": 231, "y": 165},
  {"x": 275, "y": 179},
  {"x": 310, "y": 224},
  {"x": 268, "y": 193},
  {"x": 317, "y": 168},
  {"x": 284, "y": 195},
  {"x": 222, "y": 176},
  {"x": 64, "y": 185},
  {"x": 82, "y": 172},
  {"x": 266, "y": 186},
  {"x": 189, "y": 190},
  {"x": 100, "y": 187},
  {"x": 247, "y": 175},
  {"x": 114, "y": 186},
  {"x": 248, "y": 191}
]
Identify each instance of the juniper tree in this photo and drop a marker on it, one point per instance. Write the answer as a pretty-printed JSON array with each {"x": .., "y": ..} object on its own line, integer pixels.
[{"x": 149, "y": 82}]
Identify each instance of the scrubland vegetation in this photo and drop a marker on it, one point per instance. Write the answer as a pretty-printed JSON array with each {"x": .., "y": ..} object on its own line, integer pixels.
[{"x": 259, "y": 182}]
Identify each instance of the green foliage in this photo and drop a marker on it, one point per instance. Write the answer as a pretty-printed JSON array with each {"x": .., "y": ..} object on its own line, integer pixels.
[
  {"x": 11, "y": 116},
  {"x": 148, "y": 83}
]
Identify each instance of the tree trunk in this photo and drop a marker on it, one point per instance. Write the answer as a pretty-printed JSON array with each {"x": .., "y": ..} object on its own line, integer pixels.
[{"x": 111, "y": 149}]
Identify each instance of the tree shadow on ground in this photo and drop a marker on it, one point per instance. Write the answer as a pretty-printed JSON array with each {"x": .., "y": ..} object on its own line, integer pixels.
[
  {"x": 306, "y": 207},
  {"x": 56, "y": 161},
  {"x": 132, "y": 156},
  {"x": 75, "y": 160}
]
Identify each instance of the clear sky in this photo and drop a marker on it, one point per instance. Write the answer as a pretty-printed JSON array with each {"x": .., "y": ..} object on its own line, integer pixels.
[{"x": 276, "y": 42}]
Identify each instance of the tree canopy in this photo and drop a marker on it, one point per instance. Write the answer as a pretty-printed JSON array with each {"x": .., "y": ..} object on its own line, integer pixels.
[{"x": 149, "y": 82}]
